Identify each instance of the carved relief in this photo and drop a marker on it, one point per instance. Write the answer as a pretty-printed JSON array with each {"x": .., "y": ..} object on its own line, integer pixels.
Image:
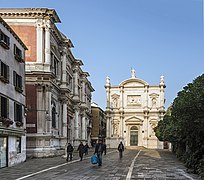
[{"x": 134, "y": 100}]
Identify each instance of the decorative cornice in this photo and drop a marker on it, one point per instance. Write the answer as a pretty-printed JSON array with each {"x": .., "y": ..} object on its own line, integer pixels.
[{"x": 17, "y": 13}]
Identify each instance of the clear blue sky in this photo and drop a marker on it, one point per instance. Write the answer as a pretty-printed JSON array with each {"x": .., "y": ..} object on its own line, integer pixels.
[{"x": 156, "y": 37}]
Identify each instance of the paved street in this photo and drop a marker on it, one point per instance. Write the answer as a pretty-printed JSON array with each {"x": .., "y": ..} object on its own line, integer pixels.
[{"x": 136, "y": 164}]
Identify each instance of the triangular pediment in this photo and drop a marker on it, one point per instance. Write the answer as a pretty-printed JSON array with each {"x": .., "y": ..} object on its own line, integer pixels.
[{"x": 133, "y": 120}]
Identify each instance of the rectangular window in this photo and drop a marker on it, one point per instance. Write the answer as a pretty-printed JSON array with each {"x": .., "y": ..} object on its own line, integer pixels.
[
  {"x": 18, "y": 53},
  {"x": 4, "y": 40},
  {"x": 4, "y": 72},
  {"x": 17, "y": 81},
  {"x": 18, "y": 144},
  {"x": 17, "y": 112},
  {"x": 4, "y": 107},
  {"x": 54, "y": 64}
]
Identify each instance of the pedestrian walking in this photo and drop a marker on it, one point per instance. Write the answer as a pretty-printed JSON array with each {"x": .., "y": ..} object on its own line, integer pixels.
[
  {"x": 99, "y": 149},
  {"x": 121, "y": 149},
  {"x": 70, "y": 150},
  {"x": 86, "y": 149},
  {"x": 81, "y": 150}
]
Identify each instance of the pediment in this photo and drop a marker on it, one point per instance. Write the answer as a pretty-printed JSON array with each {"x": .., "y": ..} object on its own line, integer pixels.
[
  {"x": 133, "y": 120},
  {"x": 133, "y": 82}
]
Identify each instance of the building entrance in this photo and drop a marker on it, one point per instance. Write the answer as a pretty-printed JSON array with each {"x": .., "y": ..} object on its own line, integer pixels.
[
  {"x": 3, "y": 152},
  {"x": 133, "y": 136}
]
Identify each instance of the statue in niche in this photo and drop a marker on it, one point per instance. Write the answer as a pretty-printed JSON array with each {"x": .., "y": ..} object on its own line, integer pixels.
[
  {"x": 115, "y": 129},
  {"x": 154, "y": 102},
  {"x": 115, "y": 103}
]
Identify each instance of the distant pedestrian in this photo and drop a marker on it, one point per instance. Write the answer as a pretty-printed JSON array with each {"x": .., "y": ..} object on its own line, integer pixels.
[
  {"x": 86, "y": 149},
  {"x": 121, "y": 149},
  {"x": 104, "y": 148},
  {"x": 99, "y": 149},
  {"x": 70, "y": 150},
  {"x": 81, "y": 150}
]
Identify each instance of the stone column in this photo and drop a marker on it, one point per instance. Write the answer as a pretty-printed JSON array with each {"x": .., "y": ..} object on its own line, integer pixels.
[
  {"x": 47, "y": 43},
  {"x": 121, "y": 98},
  {"x": 76, "y": 123},
  {"x": 64, "y": 65},
  {"x": 40, "y": 114},
  {"x": 121, "y": 125},
  {"x": 64, "y": 119},
  {"x": 83, "y": 126},
  {"x": 83, "y": 91},
  {"x": 146, "y": 127},
  {"x": 48, "y": 109},
  {"x": 76, "y": 93},
  {"x": 39, "y": 47},
  {"x": 146, "y": 90}
]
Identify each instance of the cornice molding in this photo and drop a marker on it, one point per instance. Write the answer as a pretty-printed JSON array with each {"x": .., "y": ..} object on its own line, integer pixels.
[{"x": 17, "y": 13}]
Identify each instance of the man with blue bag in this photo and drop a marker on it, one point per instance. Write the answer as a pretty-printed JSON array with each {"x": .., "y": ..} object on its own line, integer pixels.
[{"x": 99, "y": 150}]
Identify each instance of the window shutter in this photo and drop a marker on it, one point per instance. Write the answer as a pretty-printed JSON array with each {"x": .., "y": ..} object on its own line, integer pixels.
[
  {"x": 7, "y": 70},
  {"x": 0, "y": 67},
  {"x": 15, "y": 112},
  {"x": 0, "y": 106},
  {"x": 20, "y": 82},
  {"x": 14, "y": 78},
  {"x": 20, "y": 114},
  {"x": 7, "y": 107},
  {"x": 14, "y": 49}
]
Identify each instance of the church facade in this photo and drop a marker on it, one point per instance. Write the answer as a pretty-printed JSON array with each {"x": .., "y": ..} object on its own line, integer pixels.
[{"x": 133, "y": 109}]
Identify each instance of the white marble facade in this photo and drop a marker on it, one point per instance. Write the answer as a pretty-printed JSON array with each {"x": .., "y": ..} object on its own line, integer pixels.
[{"x": 133, "y": 110}]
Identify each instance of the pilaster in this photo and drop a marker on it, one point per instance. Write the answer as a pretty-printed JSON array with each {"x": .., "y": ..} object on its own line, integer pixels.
[
  {"x": 47, "y": 42},
  {"x": 40, "y": 48}
]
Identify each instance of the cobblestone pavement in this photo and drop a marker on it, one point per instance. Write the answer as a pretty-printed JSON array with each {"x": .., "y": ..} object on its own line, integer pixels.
[{"x": 135, "y": 164}]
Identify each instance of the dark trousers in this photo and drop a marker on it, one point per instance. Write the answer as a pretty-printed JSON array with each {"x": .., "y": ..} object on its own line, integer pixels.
[
  {"x": 69, "y": 156},
  {"x": 99, "y": 155},
  {"x": 81, "y": 155},
  {"x": 120, "y": 154}
]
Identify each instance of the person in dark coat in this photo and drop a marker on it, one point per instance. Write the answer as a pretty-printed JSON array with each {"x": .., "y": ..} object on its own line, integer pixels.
[
  {"x": 81, "y": 150},
  {"x": 86, "y": 149},
  {"x": 99, "y": 149},
  {"x": 70, "y": 150},
  {"x": 121, "y": 149}
]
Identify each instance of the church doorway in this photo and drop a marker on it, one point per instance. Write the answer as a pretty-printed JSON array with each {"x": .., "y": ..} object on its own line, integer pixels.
[{"x": 133, "y": 136}]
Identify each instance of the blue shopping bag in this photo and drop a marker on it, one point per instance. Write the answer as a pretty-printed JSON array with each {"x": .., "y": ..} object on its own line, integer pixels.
[{"x": 94, "y": 159}]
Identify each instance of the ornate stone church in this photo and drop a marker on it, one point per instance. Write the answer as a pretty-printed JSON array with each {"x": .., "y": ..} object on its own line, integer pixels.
[{"x": 133, "y": 110}]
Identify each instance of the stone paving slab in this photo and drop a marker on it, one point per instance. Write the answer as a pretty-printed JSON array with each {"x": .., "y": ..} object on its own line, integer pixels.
[{"x": 150, "y": 164}]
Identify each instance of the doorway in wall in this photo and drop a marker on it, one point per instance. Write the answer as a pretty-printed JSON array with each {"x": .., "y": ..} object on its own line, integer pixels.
[{"x": 133, "y": 136}]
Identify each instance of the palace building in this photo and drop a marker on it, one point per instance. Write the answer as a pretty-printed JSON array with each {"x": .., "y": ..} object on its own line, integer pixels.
[
  {"x": 58, "y": 92},
  {"x": 133, "y": 110}
]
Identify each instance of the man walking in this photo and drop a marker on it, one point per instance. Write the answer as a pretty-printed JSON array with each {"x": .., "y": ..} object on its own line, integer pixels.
[
  {"x": 81, "y": 150},
  {"x": 70, "y": 150},
  {"x": 121, "y": 149},
  {"x": 99, "y": 149}
]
